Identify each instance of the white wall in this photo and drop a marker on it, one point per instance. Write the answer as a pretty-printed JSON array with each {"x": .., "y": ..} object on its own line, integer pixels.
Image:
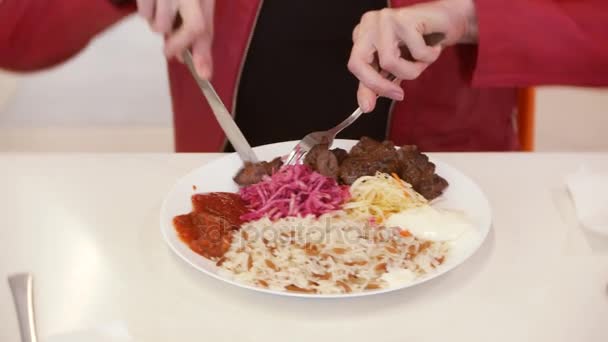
[
  {"x": 112, "y": 96},
  {"x": 572, "y": 119}
]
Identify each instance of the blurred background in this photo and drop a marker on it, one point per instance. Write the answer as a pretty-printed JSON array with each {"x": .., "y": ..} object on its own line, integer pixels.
[{"x": 114, "y": 97}]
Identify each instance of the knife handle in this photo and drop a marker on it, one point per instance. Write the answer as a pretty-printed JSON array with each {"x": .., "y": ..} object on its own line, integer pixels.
[
  {"x": 431, "y": 39},
  {"x": 122, "y": 3}
]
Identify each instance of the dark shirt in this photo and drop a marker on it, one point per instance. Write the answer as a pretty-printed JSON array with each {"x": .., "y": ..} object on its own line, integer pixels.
[{"x": 295, "y": 79}]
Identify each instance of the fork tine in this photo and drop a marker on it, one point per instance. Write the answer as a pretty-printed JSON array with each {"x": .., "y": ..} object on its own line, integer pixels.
[
  {"x": 292, "y": 155},
  {"x": 298, "y": 159},
  {"x": 301, "y": 157}
]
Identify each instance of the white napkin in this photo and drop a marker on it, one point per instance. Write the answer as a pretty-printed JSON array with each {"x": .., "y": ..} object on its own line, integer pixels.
[
  {"x": 589, "y": 192},
  {"x": 112, "y": 332}
]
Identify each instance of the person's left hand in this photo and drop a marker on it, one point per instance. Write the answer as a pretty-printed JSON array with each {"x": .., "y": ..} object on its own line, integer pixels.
[{"x": 380, "y": 34}]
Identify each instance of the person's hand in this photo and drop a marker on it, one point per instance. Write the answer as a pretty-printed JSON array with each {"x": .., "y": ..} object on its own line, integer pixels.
[
  {"x": 195, "y": 32},
  {"x": 380, "y": 34}
]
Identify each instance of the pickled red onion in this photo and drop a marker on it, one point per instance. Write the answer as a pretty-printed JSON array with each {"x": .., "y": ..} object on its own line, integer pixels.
[{"x": 294, "y": 190}]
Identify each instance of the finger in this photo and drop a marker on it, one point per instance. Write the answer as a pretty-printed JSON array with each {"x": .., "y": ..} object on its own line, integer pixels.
[
  {"x": 201, "y": 55},
  {"x": 356, "y": 32},
  {"x": 366, "y": 98},
  {"x": 164, "y": 16},
  {"x": 208, "y": 10},
  {"x": 145, "y": 8},
  {"x": 178, "y": 56},
  {"x": 201, "y": 49},
  {"x": 414, "y": 41},
  {"x": 399, "y": 67},
  {"x": 389, "y": 54},
  {"x": 178, "y": 42},
  {"x": 193, "y": 27},
  {"x": 208, "y": 7},
  {"x": 360, "y": 65}
]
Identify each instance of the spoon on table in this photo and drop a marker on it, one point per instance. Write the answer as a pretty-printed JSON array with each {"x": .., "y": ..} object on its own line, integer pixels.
[{"x": 21, "y": 288}]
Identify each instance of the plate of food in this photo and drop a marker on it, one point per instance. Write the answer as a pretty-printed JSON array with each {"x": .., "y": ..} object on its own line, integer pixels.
[{"x": 363, "y": 218}]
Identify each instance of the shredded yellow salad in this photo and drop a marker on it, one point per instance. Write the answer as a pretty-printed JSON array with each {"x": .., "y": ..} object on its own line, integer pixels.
[{"x": 377, "y": 197}]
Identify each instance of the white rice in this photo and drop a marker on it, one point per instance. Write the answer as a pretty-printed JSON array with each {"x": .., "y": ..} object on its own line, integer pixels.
[{"x": 328, "y": 255}]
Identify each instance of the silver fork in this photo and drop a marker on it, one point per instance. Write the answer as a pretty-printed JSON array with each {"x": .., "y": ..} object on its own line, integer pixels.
[
  {"x": 321, "y": 137},
  {"x": 299, "y": 151}
]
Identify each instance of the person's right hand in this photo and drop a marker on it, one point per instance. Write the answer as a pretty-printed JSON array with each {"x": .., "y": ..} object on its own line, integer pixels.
[{"x": 195, "y": 32}]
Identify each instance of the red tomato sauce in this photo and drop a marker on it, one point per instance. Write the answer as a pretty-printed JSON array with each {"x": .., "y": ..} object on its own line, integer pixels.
[{"x": 207, "y": 229}]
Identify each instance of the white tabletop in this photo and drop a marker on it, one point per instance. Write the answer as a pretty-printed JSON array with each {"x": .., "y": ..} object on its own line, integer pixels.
[{"x": 87, "y": 227}]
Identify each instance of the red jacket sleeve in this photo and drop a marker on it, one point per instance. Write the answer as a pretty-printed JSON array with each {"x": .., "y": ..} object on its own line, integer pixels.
[
  {"x": 533, "y": 42},
  {"x": 40, "y": 33}
]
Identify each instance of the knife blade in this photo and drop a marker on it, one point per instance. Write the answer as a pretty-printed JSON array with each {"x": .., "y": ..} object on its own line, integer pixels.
[{"x": 223, "y": 116}]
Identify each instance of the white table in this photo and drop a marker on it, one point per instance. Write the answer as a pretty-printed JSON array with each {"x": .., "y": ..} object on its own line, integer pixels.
[{"x": 87, "y": 227}]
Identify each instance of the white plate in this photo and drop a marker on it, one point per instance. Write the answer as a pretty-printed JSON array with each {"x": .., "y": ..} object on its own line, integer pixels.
[{"x": 462, "y": 194}]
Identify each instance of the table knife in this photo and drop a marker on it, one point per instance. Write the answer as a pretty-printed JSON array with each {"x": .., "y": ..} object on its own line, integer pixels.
[{"x": 223, "y": 116}]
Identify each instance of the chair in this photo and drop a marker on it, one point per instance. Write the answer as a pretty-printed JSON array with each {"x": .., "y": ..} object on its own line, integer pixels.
[{"x": 525, "y": 118}]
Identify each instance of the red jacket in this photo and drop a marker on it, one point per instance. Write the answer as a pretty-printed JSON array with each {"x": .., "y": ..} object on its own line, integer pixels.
[{"x": 464, "y": 101}]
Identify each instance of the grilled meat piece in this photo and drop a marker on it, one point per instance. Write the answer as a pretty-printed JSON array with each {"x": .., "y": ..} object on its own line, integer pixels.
[
  {"x": 367, "y": 146},
  {"x": 340, "y": 154},
  {"x": 417, "y": 170},
  {"x": 327, "y": 164},
  {"x": 322, "y": 160},
  {"x": 311, "y": 157},
  {"x": 367, "y": 157},
  {"x": 431, "y": 188},
  {"x": 252, "y": 173},
  {"x": 355, "y": 167}
]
